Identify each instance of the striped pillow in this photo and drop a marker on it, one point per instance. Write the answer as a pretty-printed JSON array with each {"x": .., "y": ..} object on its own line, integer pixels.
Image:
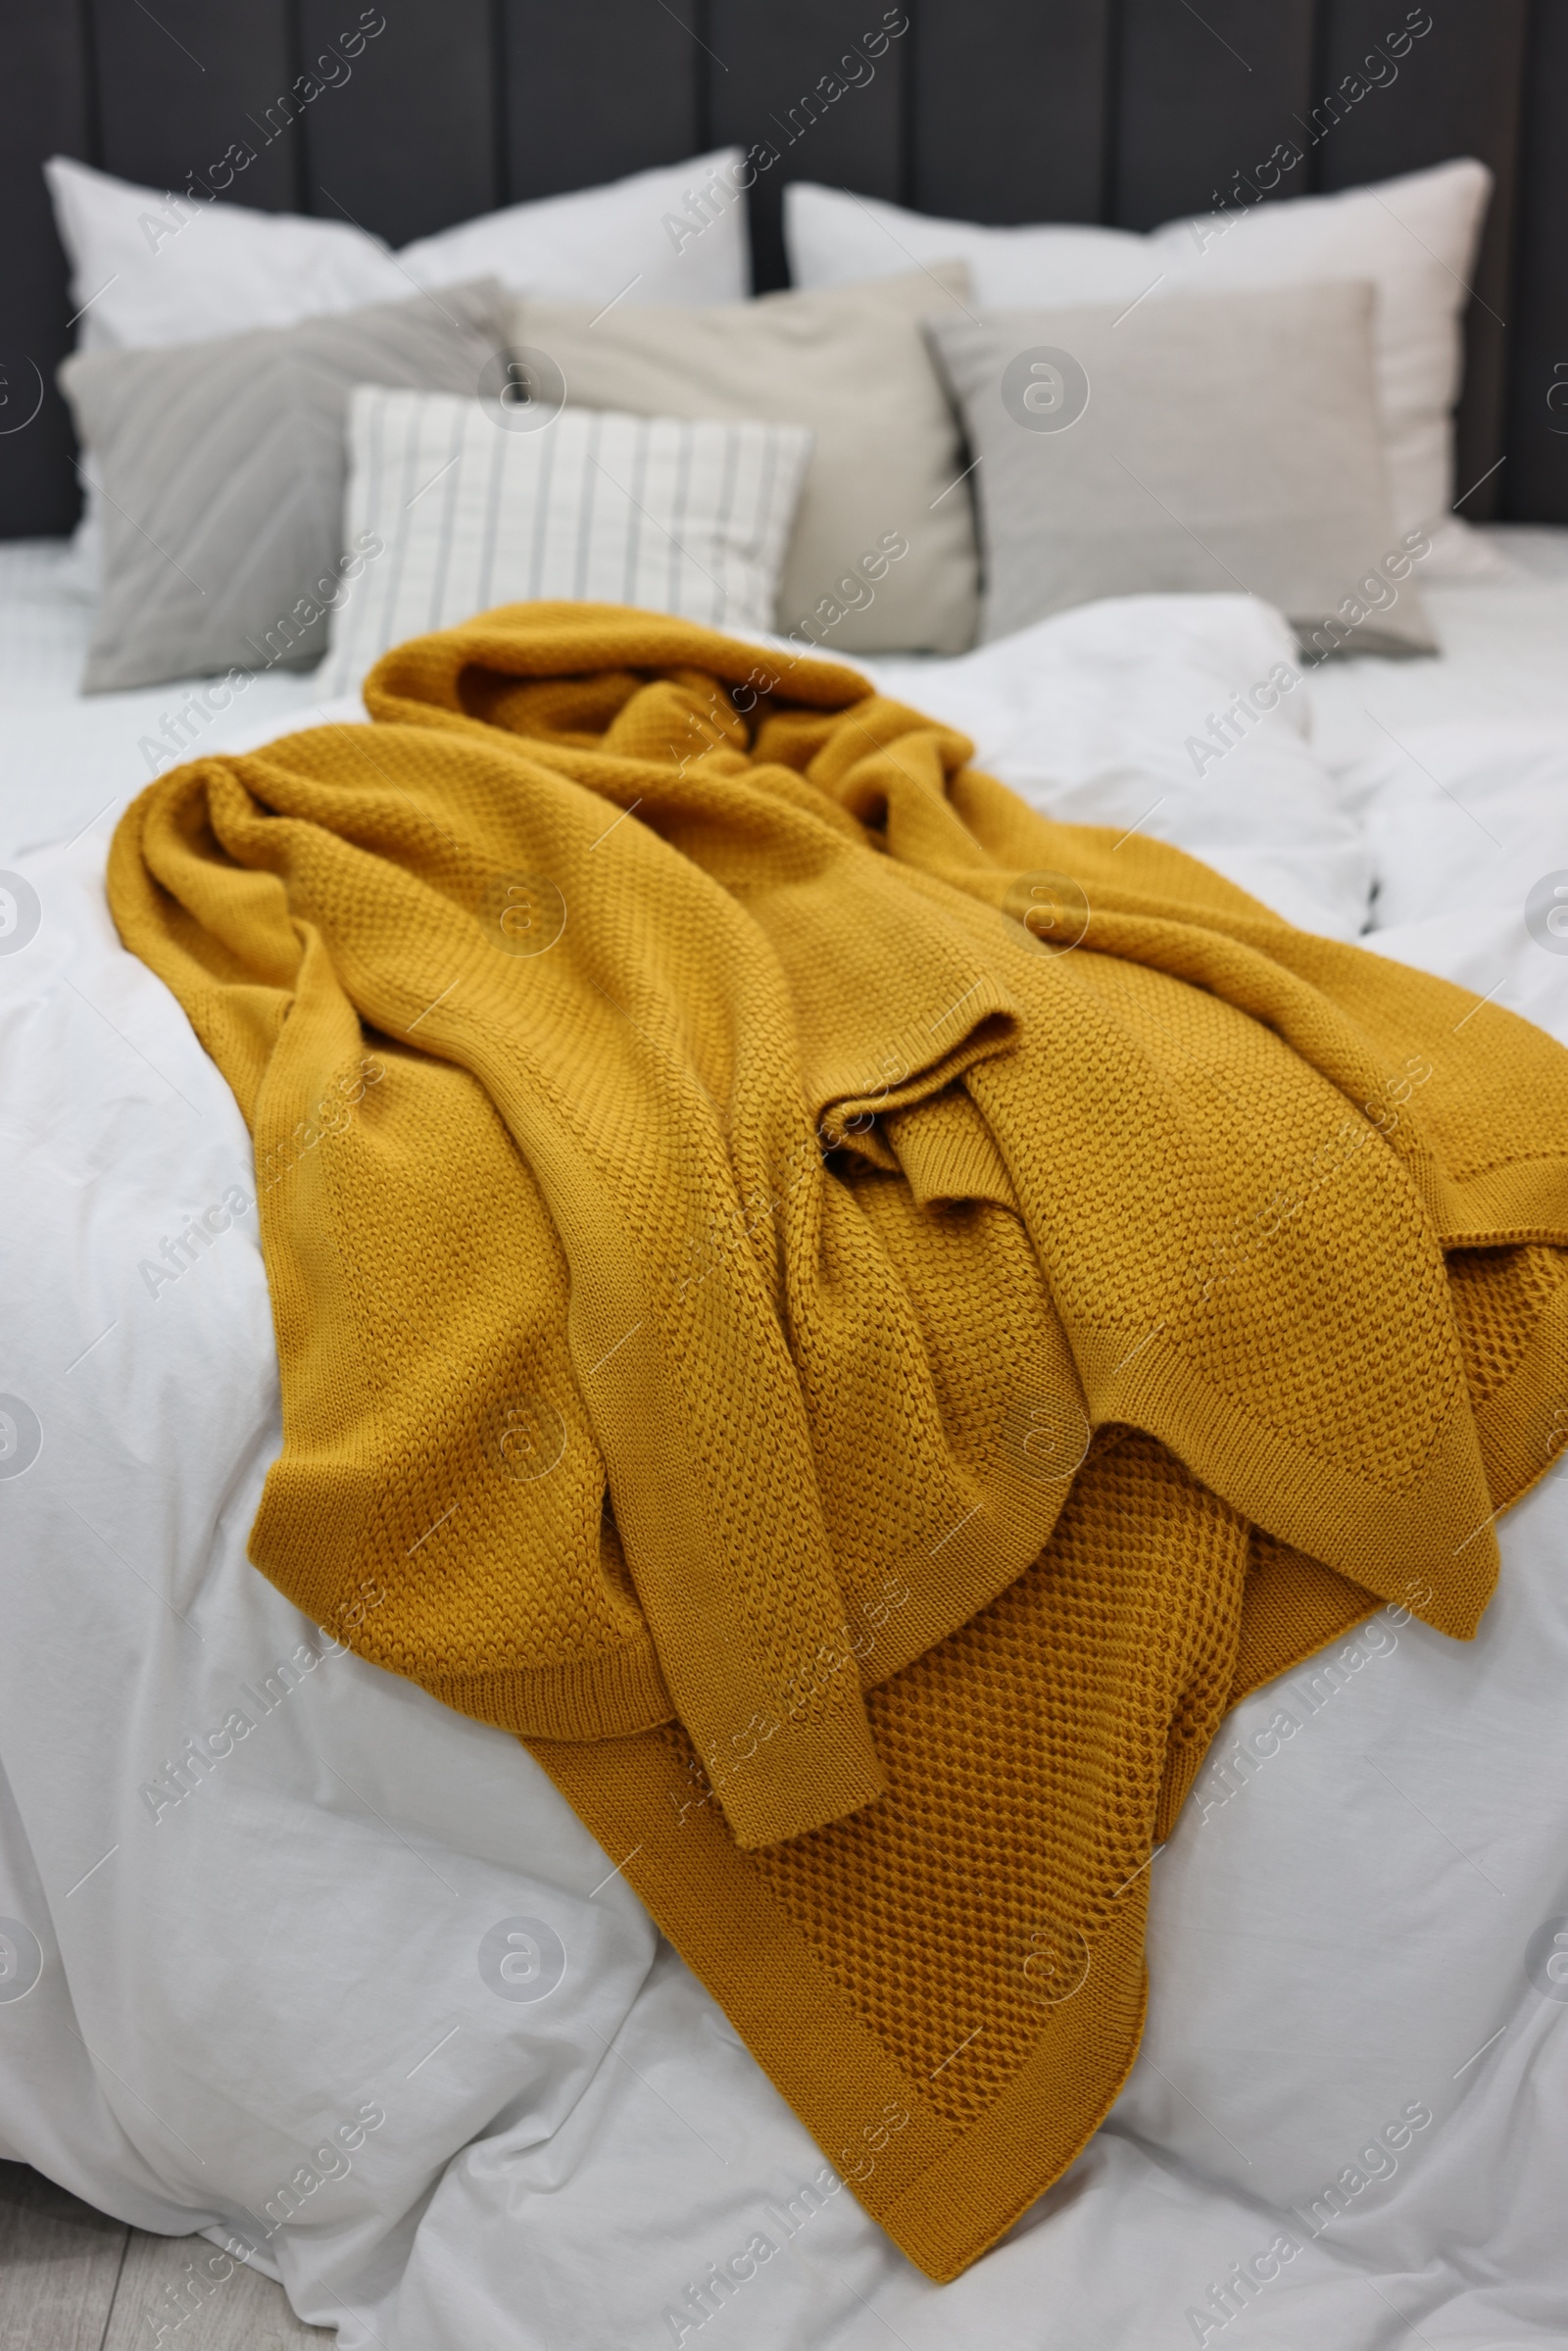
[{"x": 452, "y": 511}]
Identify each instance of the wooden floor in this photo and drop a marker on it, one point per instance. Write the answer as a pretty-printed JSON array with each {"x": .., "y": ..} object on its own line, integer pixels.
[{"x": 71, "y": 2279}]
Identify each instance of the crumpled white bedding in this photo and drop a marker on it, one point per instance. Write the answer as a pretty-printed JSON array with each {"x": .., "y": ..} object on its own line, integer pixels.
[{"x": 276, "y": 2004}]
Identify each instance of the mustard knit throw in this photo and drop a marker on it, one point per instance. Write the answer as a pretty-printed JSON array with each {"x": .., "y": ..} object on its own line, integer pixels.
[{"x": 852, "y": 1318}]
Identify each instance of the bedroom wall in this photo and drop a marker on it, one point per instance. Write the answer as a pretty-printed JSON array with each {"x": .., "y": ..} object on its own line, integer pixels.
[{"x": 1124, "y": 111}]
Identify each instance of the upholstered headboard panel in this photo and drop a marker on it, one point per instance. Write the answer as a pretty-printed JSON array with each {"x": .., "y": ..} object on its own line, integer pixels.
[{"x": 1122, "y": 110}]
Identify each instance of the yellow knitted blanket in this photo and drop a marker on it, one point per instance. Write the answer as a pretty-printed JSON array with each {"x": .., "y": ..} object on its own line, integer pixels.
[{"x": 856, "y": 1320}]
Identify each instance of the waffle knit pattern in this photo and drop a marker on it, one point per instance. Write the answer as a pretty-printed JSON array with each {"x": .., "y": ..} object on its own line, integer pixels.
[{"x": 854, "y": 1319}]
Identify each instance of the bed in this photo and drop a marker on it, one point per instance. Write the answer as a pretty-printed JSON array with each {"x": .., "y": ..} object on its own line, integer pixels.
[{"x": 263, "y": 1982}]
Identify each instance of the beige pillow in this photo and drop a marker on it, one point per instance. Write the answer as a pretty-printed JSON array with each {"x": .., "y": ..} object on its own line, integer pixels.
[
  {"x": 882, "y": 557},
  {"x": 1212, "y": 442}
]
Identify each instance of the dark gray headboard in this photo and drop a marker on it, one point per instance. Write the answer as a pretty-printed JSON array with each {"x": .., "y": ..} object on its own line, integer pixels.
[{"x": 1122, "y": 110}]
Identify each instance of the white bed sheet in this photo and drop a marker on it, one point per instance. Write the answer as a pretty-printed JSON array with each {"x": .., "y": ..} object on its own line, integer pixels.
[
  {"x": 68, "y": 759},
  {"x": 231, "y": 1982}
]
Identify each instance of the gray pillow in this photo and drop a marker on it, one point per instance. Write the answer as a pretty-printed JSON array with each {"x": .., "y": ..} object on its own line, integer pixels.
[
  {"x": 1207, "y": 442},
  {"x": 222, "y": 468},
  {"x": 882, "y": 555}
]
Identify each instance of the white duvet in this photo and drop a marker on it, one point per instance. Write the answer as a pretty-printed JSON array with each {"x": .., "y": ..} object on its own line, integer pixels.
[{"x": 295, "y": 1957}]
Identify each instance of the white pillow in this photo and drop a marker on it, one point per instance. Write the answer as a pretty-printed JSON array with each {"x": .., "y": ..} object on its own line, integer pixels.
[
  {"x": 631, "y": 241},
  {"x": 149, "y": 269},
  {"x": 1414, "y": 239},
  {"x": 464, "y": 512},
  {"x": 833, "y": 239}
]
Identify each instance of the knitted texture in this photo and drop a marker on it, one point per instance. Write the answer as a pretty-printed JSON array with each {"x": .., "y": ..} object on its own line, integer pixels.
[{"x": 854, "y": 1319}]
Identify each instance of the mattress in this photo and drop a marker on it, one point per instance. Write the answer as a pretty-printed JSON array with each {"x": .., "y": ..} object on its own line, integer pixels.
[{"x": 301, "y": 1959}]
